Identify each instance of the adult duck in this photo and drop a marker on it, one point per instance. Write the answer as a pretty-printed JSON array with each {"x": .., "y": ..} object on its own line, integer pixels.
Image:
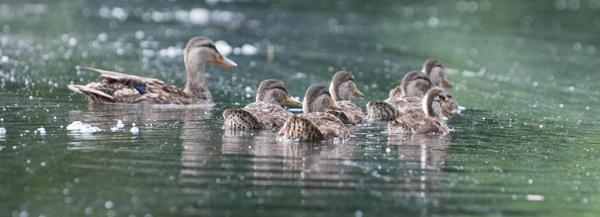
[{"x": 123, "y": 88}]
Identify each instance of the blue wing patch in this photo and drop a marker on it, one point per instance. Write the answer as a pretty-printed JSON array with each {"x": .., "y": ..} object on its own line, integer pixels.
[{"x": 141, "y": 89}]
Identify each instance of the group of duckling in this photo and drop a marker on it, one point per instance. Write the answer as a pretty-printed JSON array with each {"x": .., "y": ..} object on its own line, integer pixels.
[{"x": 417, "y": 105}]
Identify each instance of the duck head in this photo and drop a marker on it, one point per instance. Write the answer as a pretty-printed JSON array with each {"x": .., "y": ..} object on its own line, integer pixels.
[
  {"x": 435, "y": 70},
  {"x": 200, "y": 50},
  {"x": 435, "y": 103},
  {"x": 273, "y": 91},
  {"x": 318, "y": 99},
  {"x": 343, "y": 87},
  {"x": 416, "y": 83}
]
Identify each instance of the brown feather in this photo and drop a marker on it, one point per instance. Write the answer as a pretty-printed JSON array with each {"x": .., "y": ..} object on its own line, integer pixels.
[
  {"x": 313, "y": 127},
  {"x": 264, "y": 115},
  {"x": 416, "y": 123},
  {"x": 350, "y": 113}
]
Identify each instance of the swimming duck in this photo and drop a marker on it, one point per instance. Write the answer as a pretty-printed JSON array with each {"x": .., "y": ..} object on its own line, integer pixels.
[
  {"x": 123, "y": 88},
  {"x": 414, "y": 85},
  {"x": 342, "y": 87},
  {"x": 315, "y": 123},
  {"x": 435, "y": 71},
  {"x": 429, "y": 120},
  {"x": 265, "y": 113}
]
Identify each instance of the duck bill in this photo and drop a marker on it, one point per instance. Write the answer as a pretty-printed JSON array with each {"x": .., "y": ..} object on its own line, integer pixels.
[
  {"x": 447, "y": 112},
  {"x": 358, "y": 94},
  {"x": 290, "y": 100},
  {"x": 446, "y": 83},
  {"x": 334, "y": 106},
  {"x": 221, "y": 60}
]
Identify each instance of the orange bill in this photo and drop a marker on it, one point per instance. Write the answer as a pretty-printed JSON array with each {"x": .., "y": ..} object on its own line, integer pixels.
[
  {"x": 447, "y": 112},
  {"x": 334, "y": 106},
  {"x": 290, "y": 100},
  {"x": 221, "y": 60},
  {"x": 446, "y": 83},
  {"x": 358, "y": 94}
]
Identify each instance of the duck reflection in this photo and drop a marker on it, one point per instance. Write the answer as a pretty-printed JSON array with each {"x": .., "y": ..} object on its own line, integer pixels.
[
  {"x": 161, "y": 121},
  {"x": 421, "y": 160},
  {"x": 315, "y": 167}
]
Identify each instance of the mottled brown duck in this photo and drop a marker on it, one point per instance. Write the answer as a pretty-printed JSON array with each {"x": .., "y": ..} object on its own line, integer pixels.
[
  {"x": 123, "y": 88},
  {"x": 435, "y": 71},
  {"x": 414, "y": 86},
  {"x": 315, "y": 124},
  {"x": 342, "y": 88},
  {"x": 427, "y": 121},
  {"x": 266, "y": 113}
]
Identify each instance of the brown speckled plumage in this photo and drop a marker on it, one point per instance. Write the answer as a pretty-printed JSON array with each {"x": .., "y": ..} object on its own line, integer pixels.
[
  {"x": 435, "y": 71},
  {"x": 119, "y": 87},
  {"x": 414, "y": 85},
  {"x": 314, "y": 124},
  {"x": 428, "y": 120},
  {"x": 342, "y": 88},
  {"x": 265, "y": 113}
]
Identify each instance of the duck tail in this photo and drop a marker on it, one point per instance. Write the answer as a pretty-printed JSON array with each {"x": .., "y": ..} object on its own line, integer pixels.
[
  {"x": 93, "y": 95},
  {"x": 382, "y": 110},
  {"x": 399, "y": 127},
  {"x": 302, "y": 129},
  {"x": 240, "y": 119}
]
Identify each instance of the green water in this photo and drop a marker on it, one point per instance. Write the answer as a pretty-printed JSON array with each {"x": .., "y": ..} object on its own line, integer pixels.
[{"x": 528, "y": 143}]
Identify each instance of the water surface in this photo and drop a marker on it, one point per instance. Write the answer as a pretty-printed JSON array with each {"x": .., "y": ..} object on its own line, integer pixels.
[{"x": 527, "y": 144}]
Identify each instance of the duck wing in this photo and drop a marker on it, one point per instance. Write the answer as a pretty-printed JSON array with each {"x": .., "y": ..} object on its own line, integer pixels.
[
  {"x": 314, "y": 127},
  {"x": 117, "y": 88},
  {"x": 382, "y": 110},
  {"x": 257, "y": 115},
  {"x": 117, "y": 77},
  {"x": 416, "y": 123},
  {"x": 350, "y": 113}
]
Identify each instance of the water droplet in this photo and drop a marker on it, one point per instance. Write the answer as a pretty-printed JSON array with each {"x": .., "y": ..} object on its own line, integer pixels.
[
  {"x": 88, "y": 210},
  {"x": 249, "y": 50},
  {"x": 108, "y": 204},
  {"x": 358, "y": 213}
]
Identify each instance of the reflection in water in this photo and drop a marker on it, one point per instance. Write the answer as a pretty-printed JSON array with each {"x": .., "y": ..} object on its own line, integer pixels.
[
  {"x": 422, "y": 159},
  {"x": 317, "y": 168},
  {"x": 154, "y": 120}
]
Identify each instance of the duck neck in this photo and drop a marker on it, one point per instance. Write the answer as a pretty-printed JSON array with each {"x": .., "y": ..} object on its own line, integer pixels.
[
  {"x": 196, "y": 83},
  {"x": 336, "y": 91},
  {"x": 429, "y": 109}
]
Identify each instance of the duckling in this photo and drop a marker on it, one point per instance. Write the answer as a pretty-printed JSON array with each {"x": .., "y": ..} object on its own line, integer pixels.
[
  {"x": 265, "y": 113},
  {"x": 429, "y": 120},
  {"x": 315, "y": 123},
  {"x": 414, "y": 85},
  {"x": 435, "y": 71},
  {"x": 123, "y": 88},
  {"x": 342, "y": 87}
]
